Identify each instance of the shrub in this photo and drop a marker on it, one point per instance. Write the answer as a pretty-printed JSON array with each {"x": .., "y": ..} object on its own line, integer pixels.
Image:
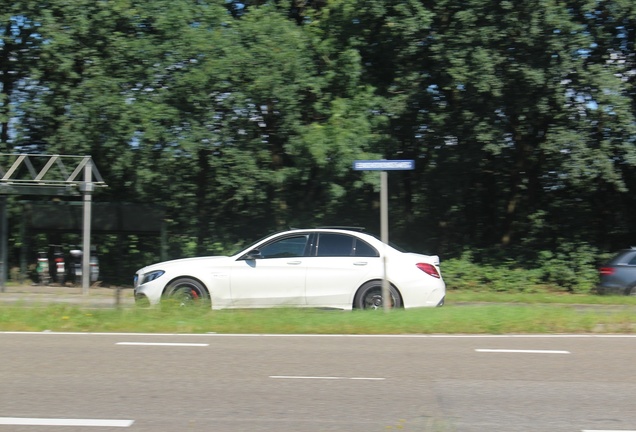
[
  {"x": 465, "y": 273},
  {"x": 571, "y": 268}
]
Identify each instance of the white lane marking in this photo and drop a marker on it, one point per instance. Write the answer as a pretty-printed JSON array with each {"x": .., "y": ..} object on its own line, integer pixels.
[
  {"x": 367, "y": 379},
  {"x": 324, "y": 378},
  {"x": 14, "y": 421},
  {"x": 163, "y": 344},
  {"x": 526, "y": 351}
]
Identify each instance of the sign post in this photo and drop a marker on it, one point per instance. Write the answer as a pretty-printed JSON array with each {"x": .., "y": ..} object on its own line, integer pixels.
[
  {"x": 383, "y": 166},
  {"x": 87, "y": 189}
]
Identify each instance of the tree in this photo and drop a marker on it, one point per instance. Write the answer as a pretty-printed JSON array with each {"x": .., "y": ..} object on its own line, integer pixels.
[
  {"x": 19, "y": 45},
  {"x": 505, "y": 109},
  {"x": 244, "y": 117}
]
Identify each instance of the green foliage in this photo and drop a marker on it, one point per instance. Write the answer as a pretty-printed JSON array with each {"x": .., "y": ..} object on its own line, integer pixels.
[
  {"x": 572, "y": 267},
  {"x": 465, "y": 273}
]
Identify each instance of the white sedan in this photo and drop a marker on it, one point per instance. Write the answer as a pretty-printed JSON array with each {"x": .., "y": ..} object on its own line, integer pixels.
[{"x": 319, "y": 268}]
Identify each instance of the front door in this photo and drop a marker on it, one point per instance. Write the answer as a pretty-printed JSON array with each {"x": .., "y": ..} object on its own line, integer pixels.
[{"x": 275, "y": 278}]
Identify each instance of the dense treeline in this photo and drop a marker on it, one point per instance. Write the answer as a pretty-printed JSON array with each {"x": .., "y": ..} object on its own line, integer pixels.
[{"x": 245, "y": 117}]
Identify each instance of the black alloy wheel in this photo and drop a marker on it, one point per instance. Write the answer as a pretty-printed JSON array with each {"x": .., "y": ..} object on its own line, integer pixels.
[
  {"x": 187, "y": 292},
  {"x": 369, "y": 296}
]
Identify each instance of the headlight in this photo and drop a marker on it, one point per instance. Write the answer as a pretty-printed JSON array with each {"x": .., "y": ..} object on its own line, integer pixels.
[{"x": 149, "y": 277}]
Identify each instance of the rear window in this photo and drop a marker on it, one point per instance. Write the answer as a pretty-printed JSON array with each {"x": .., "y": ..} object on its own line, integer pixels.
[
  {"x": 364, "y": 249},
  {"x": 330, "y": 245},
  {"x": 334, "y": 245},
  {"x": 626, "y": 257}
]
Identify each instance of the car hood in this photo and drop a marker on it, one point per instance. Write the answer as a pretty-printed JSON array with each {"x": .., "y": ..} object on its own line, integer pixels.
[{"x": 183, "y": 262}]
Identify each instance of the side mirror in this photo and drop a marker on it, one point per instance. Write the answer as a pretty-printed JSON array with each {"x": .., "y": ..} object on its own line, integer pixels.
[{"x": 253, "y": 254}]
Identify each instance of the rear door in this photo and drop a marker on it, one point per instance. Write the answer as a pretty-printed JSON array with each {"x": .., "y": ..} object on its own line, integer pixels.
[{"x": 339, "y": 264}]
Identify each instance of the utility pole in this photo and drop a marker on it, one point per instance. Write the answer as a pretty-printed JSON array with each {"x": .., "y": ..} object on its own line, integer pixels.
[{"x": 87, "y": 189}]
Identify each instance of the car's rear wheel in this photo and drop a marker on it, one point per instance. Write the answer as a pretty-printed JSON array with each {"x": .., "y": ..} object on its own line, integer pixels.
[
  {"x": 187, "y": 292},
  {"x": 369, "y": 296}
]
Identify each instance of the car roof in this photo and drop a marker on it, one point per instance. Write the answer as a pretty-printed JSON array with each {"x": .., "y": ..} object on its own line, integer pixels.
[
  {"x": 326, "y": 228},
  {"x": 355, "y": 231}
]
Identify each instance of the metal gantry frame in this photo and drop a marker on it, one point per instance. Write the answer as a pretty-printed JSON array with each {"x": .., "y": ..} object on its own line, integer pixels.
[{"x": 50, "y": 175}]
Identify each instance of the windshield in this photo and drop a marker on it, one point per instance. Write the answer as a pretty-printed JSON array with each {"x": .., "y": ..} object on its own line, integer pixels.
[{"x": 247, "y": 248}]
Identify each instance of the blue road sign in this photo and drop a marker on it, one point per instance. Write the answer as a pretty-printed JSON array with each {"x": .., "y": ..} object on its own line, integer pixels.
[{"x": 383, "y": 165}]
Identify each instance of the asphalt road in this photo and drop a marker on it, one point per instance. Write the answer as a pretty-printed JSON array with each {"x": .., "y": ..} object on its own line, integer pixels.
[{"x": 160, "y": 383}]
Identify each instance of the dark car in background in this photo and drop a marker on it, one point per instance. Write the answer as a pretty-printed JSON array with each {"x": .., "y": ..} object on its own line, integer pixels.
[{"x": 618, "y": 275}]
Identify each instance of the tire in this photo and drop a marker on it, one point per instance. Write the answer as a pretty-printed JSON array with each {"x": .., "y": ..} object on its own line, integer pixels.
[
  {"x": 186, "y": 292},
  {"x": 369, "y": 296}
]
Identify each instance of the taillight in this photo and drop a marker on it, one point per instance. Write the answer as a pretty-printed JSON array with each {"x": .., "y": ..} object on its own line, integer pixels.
[
  {"x": 429, "y": 269},
  {"x": 606, "y": 271}
]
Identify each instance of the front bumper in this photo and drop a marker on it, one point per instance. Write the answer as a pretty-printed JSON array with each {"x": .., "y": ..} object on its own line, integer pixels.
[{"x": 149, "y": 293}]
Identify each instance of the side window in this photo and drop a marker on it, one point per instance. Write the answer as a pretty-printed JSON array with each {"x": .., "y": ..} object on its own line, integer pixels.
[
  {"x": 331, "y": 245},
  {"x": 632, "y": 261},
  {"x": 364, "y": 249},
  {"x": 285, "y": 248}
]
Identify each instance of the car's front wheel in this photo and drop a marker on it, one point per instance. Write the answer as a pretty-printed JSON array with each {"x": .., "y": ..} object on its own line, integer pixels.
[
  {"x": 186, "y": 292},
  {"x": 369, "y": 296}
]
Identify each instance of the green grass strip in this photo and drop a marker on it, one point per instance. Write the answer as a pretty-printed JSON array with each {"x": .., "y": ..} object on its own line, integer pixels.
[{"x": 451, "y": 319}]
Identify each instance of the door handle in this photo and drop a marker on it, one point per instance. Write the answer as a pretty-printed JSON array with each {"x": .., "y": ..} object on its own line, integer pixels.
[
  {"x": 294, "y": 262},
  {"x": 360, "y": 263}
]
